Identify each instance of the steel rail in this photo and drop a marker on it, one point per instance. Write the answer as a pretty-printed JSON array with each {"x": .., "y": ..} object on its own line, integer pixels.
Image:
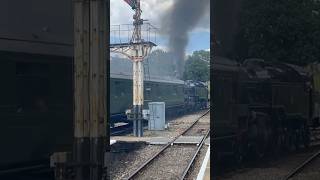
[
  {"x": 302, "y": 165},
  {"x": 165, "y": 147},
  {"x": 186, "y": 170}
]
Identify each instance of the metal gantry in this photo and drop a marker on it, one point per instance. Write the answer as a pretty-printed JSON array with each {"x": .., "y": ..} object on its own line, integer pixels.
[{"x": 136, "y": 50}]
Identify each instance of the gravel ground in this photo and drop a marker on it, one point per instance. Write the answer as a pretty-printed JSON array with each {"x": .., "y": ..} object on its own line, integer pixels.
[
  {"x": 199, "y": 128},
  {"x": 197, "y": 164},
  {"x": 123, "y": 163},
  {"x": 169, "y": 165},
  {"x": 177, "y": 126},
  {"x": 270, "y": 169}
]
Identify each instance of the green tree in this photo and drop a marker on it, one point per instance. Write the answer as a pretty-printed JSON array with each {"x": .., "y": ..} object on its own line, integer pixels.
[
  {"x": 281, "y": 30},
  {"x": 197, "y": 66},
  {"x": 161, "y": 63}
]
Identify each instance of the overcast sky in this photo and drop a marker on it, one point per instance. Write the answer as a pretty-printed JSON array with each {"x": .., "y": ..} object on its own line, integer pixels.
[{"x": 153, "y": 10}]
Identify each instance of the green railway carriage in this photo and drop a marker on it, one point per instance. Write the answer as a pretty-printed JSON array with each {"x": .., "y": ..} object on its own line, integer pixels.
[
  {"x": 35, "y": 107},
  {"x": 155, "y": 90}
]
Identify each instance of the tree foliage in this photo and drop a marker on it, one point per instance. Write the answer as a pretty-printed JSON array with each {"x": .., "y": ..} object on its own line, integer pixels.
[
  {"x": 161, "y": 63},
  {"x": 197, "y": 66},
  {"x": 281, "y": 30}
]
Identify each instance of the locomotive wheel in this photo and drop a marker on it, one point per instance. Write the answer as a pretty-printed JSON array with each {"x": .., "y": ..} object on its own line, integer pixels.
[
  {"x": 263, "y": 137},
  {"x": 238, "y": 152},
  {"x": 258, "y": 144},
  {"x": 306, "y": 139},
  {"x": 260, "y": 148},
  {"x": 287, "y": 144},
  {"x": 239, "y": 155},
  {"x": 299, "y": 139},
  {"x": 277, "y": 144},
  {"x": 291, "y": 144}
]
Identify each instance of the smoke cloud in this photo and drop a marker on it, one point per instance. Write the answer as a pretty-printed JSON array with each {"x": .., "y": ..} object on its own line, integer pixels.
[{"x": 178, "y": 22}]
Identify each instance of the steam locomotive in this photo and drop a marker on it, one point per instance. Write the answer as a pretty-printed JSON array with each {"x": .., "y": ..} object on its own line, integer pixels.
[{"x": 261, "y": 106}]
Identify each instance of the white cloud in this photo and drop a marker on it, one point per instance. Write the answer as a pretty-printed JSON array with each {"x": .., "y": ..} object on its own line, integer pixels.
[{"x": 152, "y": 10}]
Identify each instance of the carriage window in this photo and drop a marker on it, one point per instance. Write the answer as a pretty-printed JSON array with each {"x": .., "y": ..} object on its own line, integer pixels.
[{"x": 32, "y": 87}]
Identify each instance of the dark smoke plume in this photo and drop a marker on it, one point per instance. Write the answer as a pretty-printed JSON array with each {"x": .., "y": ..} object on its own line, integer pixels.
[{"x": 182, "y": 18}]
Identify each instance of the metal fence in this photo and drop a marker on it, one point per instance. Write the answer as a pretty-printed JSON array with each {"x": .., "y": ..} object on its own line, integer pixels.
[{"x": 122, "y": 33}]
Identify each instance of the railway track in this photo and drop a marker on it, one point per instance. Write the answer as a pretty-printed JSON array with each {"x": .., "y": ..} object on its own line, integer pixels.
[
  {"x": 294, "y": 165},
  {"x": 301, "y": 166},
  {"x": 186, "y": 155}
]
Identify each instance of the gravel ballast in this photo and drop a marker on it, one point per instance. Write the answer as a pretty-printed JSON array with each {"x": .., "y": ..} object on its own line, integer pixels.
[
  {"x": 194, "y": 171},
  {"x": 123, "y": 163},
  {"x": 170, "y": 164}
]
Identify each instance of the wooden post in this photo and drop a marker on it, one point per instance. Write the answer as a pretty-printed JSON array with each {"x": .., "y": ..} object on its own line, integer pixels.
[{"x": 89, "y": 88}]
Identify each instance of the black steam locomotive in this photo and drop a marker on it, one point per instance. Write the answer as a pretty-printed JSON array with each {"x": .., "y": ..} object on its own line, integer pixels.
[{"x": 260, "y": 106}]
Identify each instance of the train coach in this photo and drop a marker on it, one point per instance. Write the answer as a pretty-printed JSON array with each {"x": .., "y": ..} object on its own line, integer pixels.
[
  {"x": 261, "y": 107},
  {"x": 179, "y": 96},
  {"x": 36, "y": 108},
  {"x": 156, "y": 89}
]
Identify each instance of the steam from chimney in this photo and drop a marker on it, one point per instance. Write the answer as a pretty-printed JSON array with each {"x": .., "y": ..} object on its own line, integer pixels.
[{"x": 178, "y": 22}]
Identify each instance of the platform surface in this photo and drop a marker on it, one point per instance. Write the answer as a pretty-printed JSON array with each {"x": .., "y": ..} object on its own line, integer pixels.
[
  {"x": 159, "y": 140},
  {"x": 180, "y": 140},
  {"x": 204, "y": 172},
  {"x": 130, "y": 138},
  {"x": 207, "y": 141},
  {"x": 112, "y": 141},
  {"x": 207, "y": 172}
]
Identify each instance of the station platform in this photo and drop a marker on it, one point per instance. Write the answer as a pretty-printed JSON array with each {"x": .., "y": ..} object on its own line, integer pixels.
[
  {"x": 159, "y": 140},
  {"x": 204, "y": 173}
]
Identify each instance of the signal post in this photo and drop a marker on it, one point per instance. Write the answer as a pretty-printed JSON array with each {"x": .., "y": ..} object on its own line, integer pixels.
[{"x": 136, "y": 50}]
